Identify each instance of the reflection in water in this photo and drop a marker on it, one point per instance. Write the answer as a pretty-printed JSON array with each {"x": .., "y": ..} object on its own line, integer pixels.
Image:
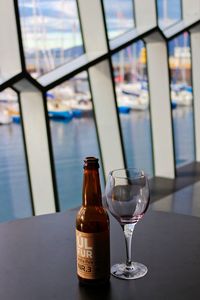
[
  {"x": 74, "y": 140},
  {"x": 14, "y": 190},
  {"x": 137, "y": 140},
  {"x": 183, "y": 134}
]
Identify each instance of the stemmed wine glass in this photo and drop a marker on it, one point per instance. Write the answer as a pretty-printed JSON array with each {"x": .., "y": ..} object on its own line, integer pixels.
[{"x": 127, "y": 199}]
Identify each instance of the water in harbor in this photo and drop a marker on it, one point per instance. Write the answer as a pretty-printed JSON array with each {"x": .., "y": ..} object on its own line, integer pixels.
[
  {"x": 73, "y": 141},
  {"x": 76, "y": 139},
  {"x": 14, "y": 188},
  {"x": 136, "y": 133},
  {"x": 183, "y": 130}
]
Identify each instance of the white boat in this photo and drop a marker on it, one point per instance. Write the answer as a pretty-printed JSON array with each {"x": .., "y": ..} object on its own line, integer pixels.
[
  {"x": 140, "y": 102},
  {"x": 80, "y": 104},
  {"x": 132, "y": 89},
  {"x": 5, "y": 118},
  {"x": 62, "y": 92},
  {"x": 13, "y": 111},
  {"x": 81, "y": 107},
  {"x": 182, "y": 97},
  {"x": 8, "y": 96},
  {"x": 59, "y": 111}
]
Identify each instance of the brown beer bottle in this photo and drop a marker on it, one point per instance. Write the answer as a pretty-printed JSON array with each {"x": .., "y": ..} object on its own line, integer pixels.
[{"x": 92, "y": 230}]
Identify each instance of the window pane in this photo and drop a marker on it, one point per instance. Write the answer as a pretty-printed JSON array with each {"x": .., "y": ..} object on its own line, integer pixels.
[
  {"x": 169, "y": 12},
  {"x": 119, "y": 16},
  {"x": 14, "y": 187},
  {"x": 51, "y": 33},
  {"x": 73, "y": 136},
  {"x": 133, "y": 105},
  {"x": 182, "y": 98}
]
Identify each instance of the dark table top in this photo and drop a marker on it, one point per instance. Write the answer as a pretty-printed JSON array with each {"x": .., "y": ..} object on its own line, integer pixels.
[{"x": 37, "y": 259}]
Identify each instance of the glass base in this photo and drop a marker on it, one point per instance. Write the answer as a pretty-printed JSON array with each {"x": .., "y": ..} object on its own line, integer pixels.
[{"x": 134, "y": 271}]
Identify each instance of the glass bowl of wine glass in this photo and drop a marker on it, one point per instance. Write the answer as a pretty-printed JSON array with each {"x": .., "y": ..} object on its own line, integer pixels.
[{"x": 127, "y": 198}]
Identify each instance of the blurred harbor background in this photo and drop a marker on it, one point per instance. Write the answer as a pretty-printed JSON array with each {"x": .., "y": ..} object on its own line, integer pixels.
[{"x": 51, "y": 37}]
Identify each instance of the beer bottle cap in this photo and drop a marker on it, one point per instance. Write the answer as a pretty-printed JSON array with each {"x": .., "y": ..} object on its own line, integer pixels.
[{"x": 91, "y": 162}]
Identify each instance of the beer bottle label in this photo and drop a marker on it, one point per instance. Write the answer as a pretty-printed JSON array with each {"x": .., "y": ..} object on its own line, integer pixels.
[{"x": 93, "y": 254}]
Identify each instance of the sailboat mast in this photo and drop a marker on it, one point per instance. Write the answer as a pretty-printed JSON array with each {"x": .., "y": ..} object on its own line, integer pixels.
[
  {"x": 165, "y": 13},
  {"x": 35, "y": 32}
]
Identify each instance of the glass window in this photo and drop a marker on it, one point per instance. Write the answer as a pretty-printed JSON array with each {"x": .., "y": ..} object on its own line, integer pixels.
[
  {"x": 119, "y": 16},
  {"x": 74, "y": 136},
  {"x": 130, "y": 73},
  {"x": 51, "y": 33},
  {"x": 169, "y": 12},
  {"x": 182, "y": 98},
  {"x": 14, "y": 187}
]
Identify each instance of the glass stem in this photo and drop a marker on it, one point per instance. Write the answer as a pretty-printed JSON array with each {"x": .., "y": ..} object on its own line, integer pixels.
[{"x": 128, "y": 233}]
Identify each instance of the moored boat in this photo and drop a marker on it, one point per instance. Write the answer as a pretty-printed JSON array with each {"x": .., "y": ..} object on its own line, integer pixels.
[
  {"x": 57, "y": 110},
  {"x": 16, "y": 119},
  {"x": 182, "y": 97},
  {"x": 140, "y": 102},
  {"x": 123, "y": 109},
  {"x": 81, "y": 107},
  {"x": 5, "y": 118}
]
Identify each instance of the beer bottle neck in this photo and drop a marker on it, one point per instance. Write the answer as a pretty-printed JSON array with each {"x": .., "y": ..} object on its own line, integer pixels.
[{"x": 91, "y": 188}]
